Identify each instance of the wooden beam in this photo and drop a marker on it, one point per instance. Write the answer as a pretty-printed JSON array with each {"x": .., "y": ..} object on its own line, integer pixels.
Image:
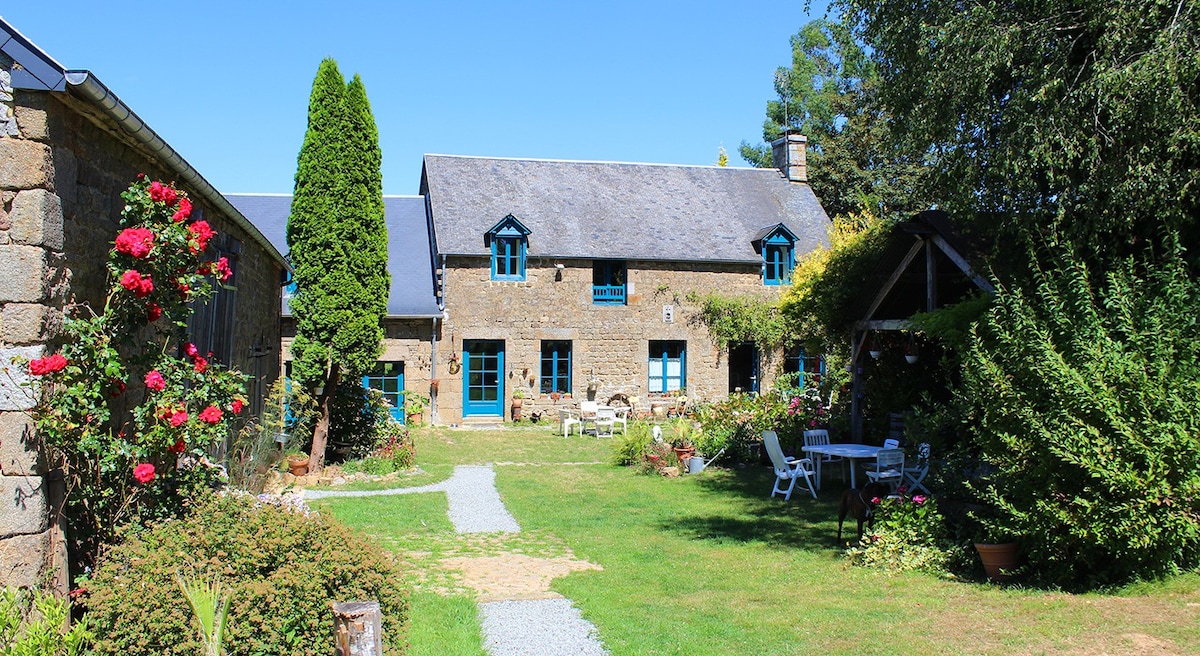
[
  {"x": 962, "y": 264},
  {"x": 930, "y": 278},
  {"x": 891, "y": 282},
  {"x": 883, "y": 324}
]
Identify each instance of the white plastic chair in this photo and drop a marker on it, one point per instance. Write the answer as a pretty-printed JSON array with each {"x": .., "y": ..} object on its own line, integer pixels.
[
  {"x": 891, "y": 443},
  {"x": 820, "y": 437},
  {"x": 606, "y": 417},
  {"x": 889, "y": 468},
  {"x": 915, "y": 476},
  {"x": 622, "y": 418},
  {"x": 787, "y": 469},
  {"x": 587, "y": 414},
  {"x": 567, "y": 418}
]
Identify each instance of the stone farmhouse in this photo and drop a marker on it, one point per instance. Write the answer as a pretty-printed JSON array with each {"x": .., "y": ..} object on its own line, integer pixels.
[
  {"x": 561, "y": 278},
  {"x": 68, "y": 148}
]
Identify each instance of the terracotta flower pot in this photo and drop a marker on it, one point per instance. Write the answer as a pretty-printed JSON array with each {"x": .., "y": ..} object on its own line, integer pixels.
[
  {"x": 298, "y": 465},
  {"x": 999, "y": 560}
]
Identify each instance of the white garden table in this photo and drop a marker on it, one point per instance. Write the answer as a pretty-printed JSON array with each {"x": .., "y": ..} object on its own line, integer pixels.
[{"x": 851, "y": 451}]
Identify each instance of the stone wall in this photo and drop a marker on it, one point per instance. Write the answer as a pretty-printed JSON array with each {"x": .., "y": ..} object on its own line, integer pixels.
[
  {"x": 61, "y": 178},
  {"x": 609, "y": 342}
]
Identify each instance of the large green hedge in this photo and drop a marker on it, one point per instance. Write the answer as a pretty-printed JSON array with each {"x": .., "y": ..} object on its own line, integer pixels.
[{"x": 285, "y": 569}]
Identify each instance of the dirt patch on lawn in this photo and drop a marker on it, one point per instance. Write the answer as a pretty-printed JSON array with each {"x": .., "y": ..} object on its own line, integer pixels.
[{"x": 508, "y": 577}]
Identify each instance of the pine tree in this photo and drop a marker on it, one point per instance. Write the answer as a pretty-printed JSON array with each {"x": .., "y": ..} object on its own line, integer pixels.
[{"x": 338, "y": 242}]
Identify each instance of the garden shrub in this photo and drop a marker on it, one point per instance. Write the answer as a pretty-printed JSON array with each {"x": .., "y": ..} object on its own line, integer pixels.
[
  {"x": 282, "y": 568},
  {"x": 34, "y": 623},
  {"x": 909, "y": 533},
  {"x": 361, "y": 418},
  {"x": 631, "y": 448},
  {"x": 1084, "y": 396},
  {"x": 288, "y": 411}
]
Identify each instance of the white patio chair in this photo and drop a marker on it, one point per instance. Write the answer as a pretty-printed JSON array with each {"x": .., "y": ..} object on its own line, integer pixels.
[
  {"x": 889, "y": 468},
  {"x": 887, "y": 444},
  {"x": 914, "y": 476},
  {"x": 622, "y": 418},
  {"x": 787, "y": 469},
  {"x": 820, "y": 436},
  {"x": 606, "y": 417},
  {"x": 568, "y": 418},
  {"x": 587, "y": 414}
]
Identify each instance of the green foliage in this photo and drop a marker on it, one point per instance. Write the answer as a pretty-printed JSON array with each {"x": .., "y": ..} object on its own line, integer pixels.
[
  {"x": 952, "y": 325},
  {"x": 282, "y": 568},
  {"x": 395, "y": 453},
  {"x": 289, "y": 411},
  {"x": 210, "y": 608},
  {"x": 829, "y": 94},
  {"x": 631, "y": 447},
  {"x": 337, "y": 235},
  {"x": 909, "y": 534},
  {"x": 362, "y": 419},
  {"x": 1082, "y": 117},
  {"x": 1083, "y": 391},
  {"x": 736, "y": 319},
  {"x": 829, "y": 284},
  {"x": 34, "y": 623},
  {"x": 736, "y": 424}
]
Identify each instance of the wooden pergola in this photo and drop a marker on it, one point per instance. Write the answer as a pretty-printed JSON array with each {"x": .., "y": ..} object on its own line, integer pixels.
[{"x": 926, "y": 269}]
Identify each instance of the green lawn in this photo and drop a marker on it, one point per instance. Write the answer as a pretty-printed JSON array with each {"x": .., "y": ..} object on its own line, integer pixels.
[{"x": 709, "y": 565}]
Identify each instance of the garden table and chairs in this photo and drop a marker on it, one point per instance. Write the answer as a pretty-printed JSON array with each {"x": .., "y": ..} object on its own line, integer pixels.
[{"x": 849, "y": 451}]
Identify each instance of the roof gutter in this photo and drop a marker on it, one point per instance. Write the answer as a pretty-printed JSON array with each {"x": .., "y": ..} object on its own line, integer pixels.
[{"x": 86, "y": 85}]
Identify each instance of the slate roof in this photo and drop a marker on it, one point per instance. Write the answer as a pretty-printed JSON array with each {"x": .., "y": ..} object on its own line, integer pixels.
[
  {"x": 617, "y": 210},
  {"x": 409, "y": 254}
]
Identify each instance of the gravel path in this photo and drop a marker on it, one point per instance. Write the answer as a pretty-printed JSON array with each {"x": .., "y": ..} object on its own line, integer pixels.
[{"x": 538, "y": 627}]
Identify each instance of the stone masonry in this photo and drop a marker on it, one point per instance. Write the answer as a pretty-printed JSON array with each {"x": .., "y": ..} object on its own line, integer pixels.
[
  {"x": 610, "y": 343},
  {"x": 61, "y": 178}
]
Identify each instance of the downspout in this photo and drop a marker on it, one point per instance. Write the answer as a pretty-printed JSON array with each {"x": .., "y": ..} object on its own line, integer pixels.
[
  {"x": 86, "y": 85},
  {"x": 433, "y": 395}
]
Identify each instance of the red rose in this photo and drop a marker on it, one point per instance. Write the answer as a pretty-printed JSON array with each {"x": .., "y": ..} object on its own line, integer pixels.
[
  {"x": 140, "y": 285},
  {"x": 179, "y": 418},
  {"x": 200, "y": 364},
  {"x": 153, "y": 312},
  {"x": 201, "y": 233},
  {"x": 119, "y": 390},
  {"x": 47, "y": 365},
  {"x": 177, "y": 447},
  {"x": 155, "y": 381},
  {"x": 191, "y": 350},
  {"x": 222, "y": 269},
  {"x": 144, "y": 473},
  {"x": 135, "y": 241},
  {"x": 184, "y": 211},
  {"x": 210, "y": 415},
  {"x": 236, "y": 406},
  {"x": 163, "y": 193}
]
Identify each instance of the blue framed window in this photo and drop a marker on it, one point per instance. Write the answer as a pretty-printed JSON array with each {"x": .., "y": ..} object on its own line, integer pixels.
[
  {"x": 668, "y": 362},
  {"x": 556, "y": 366},
  {"x": 388, "y": 378},
  {"x": 508, "y": 240},
  {"x": 608, "y": 282},
  {"x": 797, "y": 361},
  {"x": 777, "y": 245}
]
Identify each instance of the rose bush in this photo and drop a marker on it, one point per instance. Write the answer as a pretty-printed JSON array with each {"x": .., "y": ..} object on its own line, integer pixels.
[{"x": 120, "y": 445}]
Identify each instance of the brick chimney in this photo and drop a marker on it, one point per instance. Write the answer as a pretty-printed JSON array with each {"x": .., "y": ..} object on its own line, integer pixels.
[{"x": 789, "y": 153}]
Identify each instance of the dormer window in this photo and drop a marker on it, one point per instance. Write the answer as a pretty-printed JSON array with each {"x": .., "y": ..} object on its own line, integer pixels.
[
  {"x": 508, "y": 241},
  {"x": 777, "y": 245}
]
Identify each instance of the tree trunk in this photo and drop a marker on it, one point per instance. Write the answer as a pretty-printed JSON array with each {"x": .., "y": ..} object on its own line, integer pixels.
[{"x": 316, "y": 459}]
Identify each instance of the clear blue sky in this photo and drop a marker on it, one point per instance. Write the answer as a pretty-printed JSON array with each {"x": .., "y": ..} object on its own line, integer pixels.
[{"x": 227, "y": 83}]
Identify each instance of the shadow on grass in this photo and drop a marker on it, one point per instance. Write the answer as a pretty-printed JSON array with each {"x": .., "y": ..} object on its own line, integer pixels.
[{"x": 753, "y": 516}]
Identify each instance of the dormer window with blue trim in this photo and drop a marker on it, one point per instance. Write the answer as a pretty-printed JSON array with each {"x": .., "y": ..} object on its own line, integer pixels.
[
  {"x": 777, "y": 245},
  {"x": 508, "y": 240}
]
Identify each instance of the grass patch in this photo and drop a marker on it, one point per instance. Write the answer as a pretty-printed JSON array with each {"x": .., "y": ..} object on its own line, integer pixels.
[
  {"x": 444, "y": 625},
  {"x": 709, "y": 565}
]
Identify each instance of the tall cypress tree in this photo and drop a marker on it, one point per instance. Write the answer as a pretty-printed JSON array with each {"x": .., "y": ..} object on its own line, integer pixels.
[{"x": 338, "y": 242}]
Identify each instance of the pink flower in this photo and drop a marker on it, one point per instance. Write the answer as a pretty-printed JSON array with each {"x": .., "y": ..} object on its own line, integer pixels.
[
  {"x": 210, "y": 415},
  {"x": 901, "y": 489},
  {"x": 184, "y": 211},
  {"x": 137, "y": 242},
  {"x": 876, "y": 500},
  {"x": 201, "y": 233},
  {"x": 162, "y": 193},
  {"x": 153, "y": 312},
  {"x": 919, "y": 499},
  {"x": 236, "y": 406},
  {"x": 47, "y": 365},
  {"x": 222, "y": 269},
  {"x": 200, "y": 364},
  {"x": 177, "y": 447},
  {"x": 155, "y": 381},
  {"x": 144, "y": 473},
  {"x": 179, "y": 418},
  {"x": 190, "y": 350},
  {"x": 140, "y": 285}
]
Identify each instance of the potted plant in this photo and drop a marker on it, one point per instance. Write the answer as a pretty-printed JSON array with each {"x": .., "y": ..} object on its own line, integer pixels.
[
  {"x": 297, "y": 463},
  {"x": 518, "y": 400},
  {"x": 414, "y": 408},
  {"x": 998, "y": 547}
]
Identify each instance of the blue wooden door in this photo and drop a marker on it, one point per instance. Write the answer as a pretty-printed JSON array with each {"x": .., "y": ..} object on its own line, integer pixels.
[
  {"x": 388, "y": 378},
  {"x": 483, "y": 391}
]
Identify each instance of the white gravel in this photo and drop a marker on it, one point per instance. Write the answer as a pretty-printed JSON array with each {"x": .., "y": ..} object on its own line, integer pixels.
[{"x": 539, "y": 627}]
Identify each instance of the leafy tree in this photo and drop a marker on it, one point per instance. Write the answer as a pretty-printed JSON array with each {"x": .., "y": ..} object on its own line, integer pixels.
[
  {"x": 338, "y": 242},
  {"x": 829, "y": 94},
  {"x": 1075, "y": 118}
]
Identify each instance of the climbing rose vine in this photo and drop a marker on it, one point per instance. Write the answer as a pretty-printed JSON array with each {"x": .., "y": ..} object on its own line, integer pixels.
[{"x": 129, "y": 405}]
